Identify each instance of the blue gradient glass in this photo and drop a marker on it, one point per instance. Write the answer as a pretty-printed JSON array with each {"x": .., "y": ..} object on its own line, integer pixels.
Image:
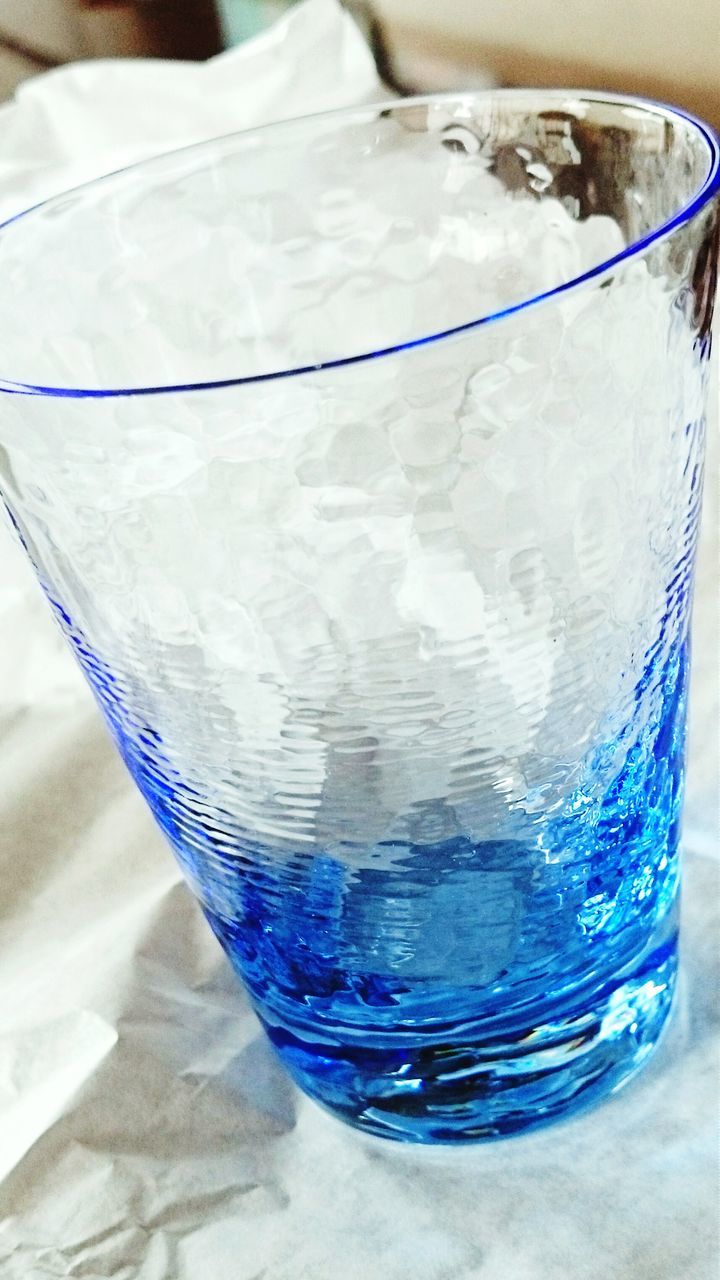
[{"x": 360, "y": 459}]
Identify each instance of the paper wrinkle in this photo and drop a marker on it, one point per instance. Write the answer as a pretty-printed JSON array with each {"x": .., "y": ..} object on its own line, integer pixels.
[
  {"x": 76, "y": 122},
  {"x": 146, "y": 1130}
]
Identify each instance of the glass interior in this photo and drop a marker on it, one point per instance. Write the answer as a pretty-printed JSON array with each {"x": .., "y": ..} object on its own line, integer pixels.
[{"x": 334, "y": 237}]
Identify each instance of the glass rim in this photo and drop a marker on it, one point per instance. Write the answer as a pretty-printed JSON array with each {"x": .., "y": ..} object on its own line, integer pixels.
[{"x": 709, "y": 188}]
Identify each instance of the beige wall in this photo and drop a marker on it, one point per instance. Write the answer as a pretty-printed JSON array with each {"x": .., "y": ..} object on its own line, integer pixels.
[
  {"x": 666, "y": 36},
  {"x": 663, "y": 46},
  {"x": 49, "y": 25}
]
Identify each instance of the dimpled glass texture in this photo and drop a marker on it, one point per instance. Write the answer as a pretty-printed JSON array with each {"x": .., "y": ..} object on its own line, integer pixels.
[{"x": 360, "y": 460}]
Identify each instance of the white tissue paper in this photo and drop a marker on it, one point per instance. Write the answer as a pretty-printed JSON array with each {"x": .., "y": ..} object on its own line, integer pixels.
[{"x": 146, "y": 1131}]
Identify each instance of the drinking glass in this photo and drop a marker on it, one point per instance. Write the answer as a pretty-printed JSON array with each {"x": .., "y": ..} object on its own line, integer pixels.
[{"x": 359, "y": 458}]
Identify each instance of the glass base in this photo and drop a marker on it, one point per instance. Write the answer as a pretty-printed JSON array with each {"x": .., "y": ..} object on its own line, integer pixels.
[{"x": 471, "y": 1085}]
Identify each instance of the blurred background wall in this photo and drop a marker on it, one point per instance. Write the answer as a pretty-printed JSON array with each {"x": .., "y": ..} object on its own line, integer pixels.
[
  {"x": 37, "y": 34},
  {"x": 665, "y": 48}
]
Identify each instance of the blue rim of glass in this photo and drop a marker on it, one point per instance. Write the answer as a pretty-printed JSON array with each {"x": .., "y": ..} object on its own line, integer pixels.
[{"x": 710, "y": 188}]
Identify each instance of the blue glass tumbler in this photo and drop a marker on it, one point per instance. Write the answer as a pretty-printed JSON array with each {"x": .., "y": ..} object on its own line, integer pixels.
[{"x": 360, "y": 460}]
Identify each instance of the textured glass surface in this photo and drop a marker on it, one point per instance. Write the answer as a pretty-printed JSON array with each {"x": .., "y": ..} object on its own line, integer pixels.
[{"x": 395, "y": 645}]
